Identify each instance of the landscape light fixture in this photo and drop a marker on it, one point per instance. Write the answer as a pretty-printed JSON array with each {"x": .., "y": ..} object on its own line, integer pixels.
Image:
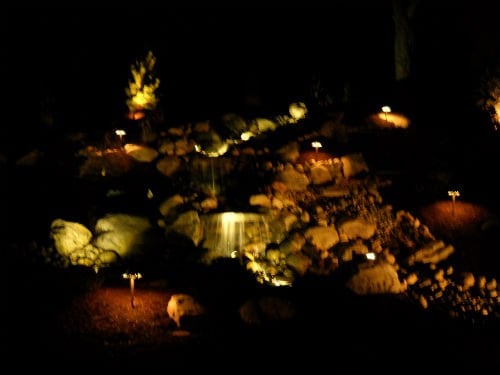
[
  {"x": 120, "y": 133},
  {"x": 386, "y": 109},
  {"x": 453, "y": 194},
  {"x": 132, "y": 277},
  {"x": 370, "y": 256},
  {"x": 316, "y": 145}
]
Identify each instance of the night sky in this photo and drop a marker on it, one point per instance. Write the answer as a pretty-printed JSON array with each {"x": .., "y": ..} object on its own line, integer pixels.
[{"x": 77, "y": 61}]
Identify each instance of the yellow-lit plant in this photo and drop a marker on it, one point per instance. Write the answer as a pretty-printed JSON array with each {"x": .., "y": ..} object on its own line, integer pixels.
[{"x": 141, "y": 90}]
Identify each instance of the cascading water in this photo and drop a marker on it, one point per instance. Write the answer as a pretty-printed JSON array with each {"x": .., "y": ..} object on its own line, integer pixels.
[
  {"x": 232, "y": 234},
  {"x": 208, "y": 173}
]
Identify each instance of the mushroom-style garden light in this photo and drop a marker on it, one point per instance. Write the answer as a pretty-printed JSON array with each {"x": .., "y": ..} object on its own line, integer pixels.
[
  {"x": 132, "y": 277},
  {"x": 453, "y": 194}
]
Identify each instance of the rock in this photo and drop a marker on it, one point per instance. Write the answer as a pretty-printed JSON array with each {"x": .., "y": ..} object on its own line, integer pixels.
[
  {"x": 261, "y": 200},
  {"x": 181, "y": 306},
  {"x": 69, "y": 236},
  {"x": 294, "y": 180},
  {"x": 376, "y": 279},
  {"x": 121, "y": 233},
  {"x": 433, "y": 252},
  {"x": 319, "y": 175},
  {"x": 141, "y": 153},
  {"x": 293, "y": 244},
  {"x": 189, "y": 225},
  {"x": 299, "y": 263},
  {"x": 353, "y": 164},
  {"x": 167, "y": 206},
  {"x": 322, "y": 238},
  {"x": 169, "y": 165},
  {"x": 357, "y": 228}
]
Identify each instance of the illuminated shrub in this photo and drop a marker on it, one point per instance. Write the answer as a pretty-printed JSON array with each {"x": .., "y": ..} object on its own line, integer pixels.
[{"x": 141, "y": 90}]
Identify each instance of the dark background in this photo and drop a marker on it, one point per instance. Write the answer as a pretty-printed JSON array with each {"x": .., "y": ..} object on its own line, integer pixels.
[{"x": 75, "y": 62}]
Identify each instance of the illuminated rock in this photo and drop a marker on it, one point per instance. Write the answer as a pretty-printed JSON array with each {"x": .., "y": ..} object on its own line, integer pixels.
[
  {"x": 433, "y": 252},
  {"x": 169, "y": 165},
  {"x": 181, "y": 306},
  {"x": 322, "y": 238},
  {"x": 169, "y": 204},
  {"x": 319, "y": 175},
  {"x": 293, "y": 244},
  {"x": 189, "y": 225},
  {"x": 334, "y": 191},
  {"x": 297, "y": 110},
  {"x": 183, "y": 147},
  {"x": 209, "y": 204},
  {"x": 353, "y": 164},
  {"x": 294, "y": 180},
  {"x": 299, "y": 262},
  {"x": 261, "y": 200},
  {"x": 376, "y": 279},
  {"x": 121, "y": 233},
  {"x": 357, "y": 228},
  {"x": 265, "y": 125},
  {"x": 290, "y": 152},
  {"x": 167, "y": 147},
  {"x": 141, "y": 153},
  {"x": 69, "y": 236}
]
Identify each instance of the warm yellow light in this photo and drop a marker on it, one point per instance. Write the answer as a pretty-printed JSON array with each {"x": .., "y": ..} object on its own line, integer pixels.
[
  {"x": 246, "y": 136},
  {"x": 497, "y": 111},
  {"x": 297, "y": 110},
  {"x": 132, "y": 276},
  {"x": 370, "y": 256},
  {"x": 141, "y": 91},
  {"x": 120, "y": 132},
  {"x": 396, "y": 120},
  {"x": 386, "y": 109},
  {"x": 316, "y": 145},
  {"x": 453, "y": 194}
]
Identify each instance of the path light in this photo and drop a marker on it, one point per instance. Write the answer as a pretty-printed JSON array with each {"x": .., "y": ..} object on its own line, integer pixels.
[
  {"x": 386, "y": 109},
  {"x": 132, "y": 277},
  {"x": 316, "y": 145},
  {"x": 120, "y": 133},
  {"x": 370, "y": 256},
  {"x": 453, "y": 194}
]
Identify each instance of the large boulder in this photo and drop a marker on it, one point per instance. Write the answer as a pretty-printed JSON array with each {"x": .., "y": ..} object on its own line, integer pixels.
[
  {"x": 121, "y": 233},
  {"x": 188, "y": 224},
  {"x": 169, "y": 165},
  {"x": 294, "y": 180},
  {"x": 180, "y": 306},
  {"x": 169, "y": 204},
  {"x": 322, "y": 238},
  {"x": 69, "y": 236},
  {"x": 356, "y": 228},
  {"x": 377, "y": 278},
  {"x": 141, "y": 153}
]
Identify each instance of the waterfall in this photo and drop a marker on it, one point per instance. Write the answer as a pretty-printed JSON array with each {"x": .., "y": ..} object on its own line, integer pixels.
[
  {"x": 232, "y": 234},
  {"x": 208, "y": 173}
]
